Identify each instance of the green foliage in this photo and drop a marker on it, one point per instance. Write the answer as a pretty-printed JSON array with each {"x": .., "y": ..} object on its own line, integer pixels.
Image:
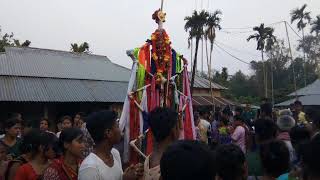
[
  {"x": 82, "y": 48},
  {"x": 301, "y": 16},
  {"x": 9, "y": 40}
]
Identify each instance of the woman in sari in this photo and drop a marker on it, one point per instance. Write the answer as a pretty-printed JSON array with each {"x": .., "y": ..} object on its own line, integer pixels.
[
  {"x": 66, "y": 167},
  {"x": 42, "y": 148}
]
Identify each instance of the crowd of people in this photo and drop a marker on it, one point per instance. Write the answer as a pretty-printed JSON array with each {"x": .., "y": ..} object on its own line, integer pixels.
[{"x": 230, "y": 145}]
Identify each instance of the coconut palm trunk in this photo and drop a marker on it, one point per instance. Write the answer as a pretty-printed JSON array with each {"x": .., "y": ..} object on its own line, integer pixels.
[
  {"x": 304, "y": 60},
  {"x": 264, "y": 75},
  {"x": 194, "y": 68}
]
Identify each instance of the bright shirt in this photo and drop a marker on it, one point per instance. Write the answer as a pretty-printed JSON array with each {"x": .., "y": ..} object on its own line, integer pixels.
[
  {"x": 302, "y": 118},
  {"x": 239, "y": 138},
  {"x": 284, "y": 177},
  {"x": 26, "y": 172},
  {"x": 151, "y": 173},
  {"x": 93, "y": 168}
]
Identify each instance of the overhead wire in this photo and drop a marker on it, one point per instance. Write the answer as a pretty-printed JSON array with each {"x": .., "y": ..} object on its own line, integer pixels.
[
  {"x": 235, "y": 49},
  {"x": 235, "y": 57}
]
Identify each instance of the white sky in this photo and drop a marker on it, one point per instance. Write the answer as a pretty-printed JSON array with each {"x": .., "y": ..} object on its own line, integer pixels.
[{"x": 113, "y": 26}]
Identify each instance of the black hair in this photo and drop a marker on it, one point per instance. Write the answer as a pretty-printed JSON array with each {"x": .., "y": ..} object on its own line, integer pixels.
[
  {"x": 238, "y": 118},
  {"x": 275, "y": 158},
  {"x": 239, "y": 109},
  {"x": 44, "y": 119},
  {"x": 68, "y": 135},
  {"x": 98, "y": 122},
  {"x": 299, "y": 137},
  {"x": 311, "y": 158},
  {"x": 162, "y": 121},
  {"x": 68, "y": 118},
  {"x": 314, "y": 116},
  {"x": 297, "y": 102},
  {"x": 230, "y": 161},
  {"x": 299, "y": 134},
  {"x": 9, "y": 123},
  {"x": 266, "y": 108},
  {"x": 27, "y": 123},
  {"x": 187, "y": 160},
  {"x": 265, "y": 129},
  {"x": 81, "y": 114},
  {"x": 36, "y": 138}
]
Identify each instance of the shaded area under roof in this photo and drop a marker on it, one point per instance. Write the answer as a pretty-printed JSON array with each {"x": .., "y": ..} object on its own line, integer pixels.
[
  {"x": 31, "y": 89},
  {"x": 308, "y": 100},
  {"x": 311, "y": 89},
  {"x": 34, "y": 62}
]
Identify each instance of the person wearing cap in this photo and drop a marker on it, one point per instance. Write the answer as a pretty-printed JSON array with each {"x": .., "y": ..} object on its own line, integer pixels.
[{"x": 285, "y": 122}]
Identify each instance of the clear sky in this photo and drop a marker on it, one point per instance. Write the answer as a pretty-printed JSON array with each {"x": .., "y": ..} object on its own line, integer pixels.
[{"x": 113, "y": 26}]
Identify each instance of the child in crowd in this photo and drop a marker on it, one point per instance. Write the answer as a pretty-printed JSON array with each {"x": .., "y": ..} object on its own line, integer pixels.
[
  {"x": 230, "y": 163},
  {"x": 165, "y": 130},
  {"x": 10, "y": 139},
  {"x": 224, "y": 132},
  {"x": 187, "y": 160},
  {"x": 67, "y": 166},
  {"x": 66, "y": 122}
]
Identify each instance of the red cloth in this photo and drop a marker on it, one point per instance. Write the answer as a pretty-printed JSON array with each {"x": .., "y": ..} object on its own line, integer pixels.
[
  {"x": 59, "y": 171},
  {"x": 188, "y": 126},
  {"x": 26, "y": 172},
  {"x": 134, "y": 129}
]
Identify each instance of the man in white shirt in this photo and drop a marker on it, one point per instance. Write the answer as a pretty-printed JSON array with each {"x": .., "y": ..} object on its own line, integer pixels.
[{"x": 104, "y": 163}]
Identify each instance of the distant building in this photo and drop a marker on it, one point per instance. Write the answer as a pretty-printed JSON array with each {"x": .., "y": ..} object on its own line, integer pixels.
[
  {"x": 309, "y": 96},
  {"x": 51, "y": 83},
  {"x": 41, "y": 82}
]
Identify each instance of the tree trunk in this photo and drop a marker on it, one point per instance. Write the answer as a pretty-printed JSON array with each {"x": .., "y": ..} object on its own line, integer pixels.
[
  {"x": 304, "y": 60},
  {"x": 264, "y": 76},
  {"x": 272, "y": 82},
  {"x": 194, "y": 64},
  {"x": 210, "y": 68},
  {"x": 209, "y": 74},
  {"x": 202, "y": 55}
]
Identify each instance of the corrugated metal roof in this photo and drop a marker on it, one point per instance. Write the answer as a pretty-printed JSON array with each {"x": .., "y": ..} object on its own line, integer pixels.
[
  {"x": 33, "y": 62},
  {"x": 312, "y": 89},
  {"x": 309, "y": 100},
  {"x": 207, "y": 101},
  {"x": 32, "y": 89},
  {"x": 200, "y": 82}
]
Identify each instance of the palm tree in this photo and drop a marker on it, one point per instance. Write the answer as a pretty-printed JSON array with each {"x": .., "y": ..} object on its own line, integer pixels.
[
  {"x": 195, "y": 25},
  {"x": 83, "y": 48},
  {"x": 303, "y": 19},
  {"x": 315, "y": 26},
  {"x": 264, "y": 38},
  {"x": 213, "y": 23}
]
